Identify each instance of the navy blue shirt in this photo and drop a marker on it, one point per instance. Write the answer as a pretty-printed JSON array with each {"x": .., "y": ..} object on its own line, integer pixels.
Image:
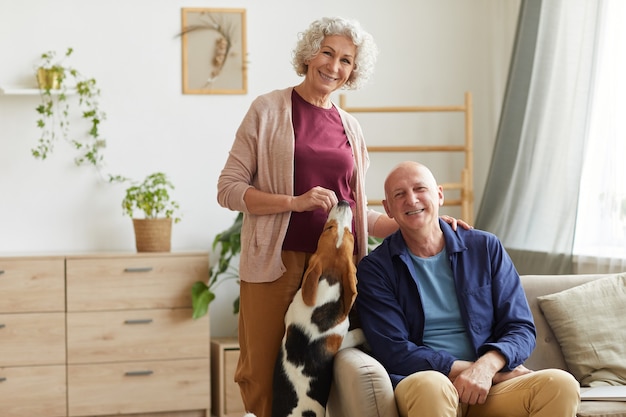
[{"x": 491, "y": 299}]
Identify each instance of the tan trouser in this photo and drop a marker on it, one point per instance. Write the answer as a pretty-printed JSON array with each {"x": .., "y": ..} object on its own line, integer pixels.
[
  {"x": 545, "y": 393},
  {"x": 262, "y": 311}
]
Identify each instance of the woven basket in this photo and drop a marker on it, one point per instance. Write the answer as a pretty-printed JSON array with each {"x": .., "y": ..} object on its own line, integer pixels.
[{"x": 153, "y": 235}]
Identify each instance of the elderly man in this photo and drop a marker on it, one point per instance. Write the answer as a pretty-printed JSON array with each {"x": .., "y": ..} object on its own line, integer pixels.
[{"x": 446, "y": 315}]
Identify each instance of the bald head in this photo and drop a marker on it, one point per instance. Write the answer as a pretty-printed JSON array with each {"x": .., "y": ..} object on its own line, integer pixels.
[{"x": 407, "y": 169}]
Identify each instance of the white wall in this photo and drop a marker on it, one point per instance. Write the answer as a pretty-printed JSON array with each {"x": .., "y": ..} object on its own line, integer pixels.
[{"x": 431, "y": 52}]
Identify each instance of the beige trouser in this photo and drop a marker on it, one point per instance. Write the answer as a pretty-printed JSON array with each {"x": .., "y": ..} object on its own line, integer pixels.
[
  {"x": 545, "y": 393},
  {"x": 262, "y": 311}
]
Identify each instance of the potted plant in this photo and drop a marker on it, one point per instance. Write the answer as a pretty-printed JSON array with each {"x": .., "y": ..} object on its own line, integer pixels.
[
  {"x": 55, "y": 78},
  {"x": 226, "y": 268},
  {"x": 153, "y": 232}
]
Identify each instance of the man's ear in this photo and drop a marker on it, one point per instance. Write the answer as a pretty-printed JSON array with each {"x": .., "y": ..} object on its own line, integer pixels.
[
  {"x": 387, "y": 209},
  {"x": 440, "y": 194}
]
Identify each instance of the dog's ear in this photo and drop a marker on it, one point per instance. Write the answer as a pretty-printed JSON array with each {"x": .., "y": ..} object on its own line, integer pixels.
[
  {"x": 349, "y": 288},
  {"x": 311, "y": 280},
  {"x": 348, "y": 274}
]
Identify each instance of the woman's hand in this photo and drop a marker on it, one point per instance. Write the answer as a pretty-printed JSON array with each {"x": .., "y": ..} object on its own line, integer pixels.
[
  {"x": 315, "y": 198},
  {"x": 453, "y": 223}
]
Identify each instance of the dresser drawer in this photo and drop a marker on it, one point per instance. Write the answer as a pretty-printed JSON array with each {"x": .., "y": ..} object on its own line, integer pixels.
[
  {"x": 33, "y": 391},
  {"x": 32, "y": 284},
  {"x": 138, "y": 387},
  {"x": 32, "y": 339},
  {"x": 112, "y": 336},
  {"x": 140, "y": 281}
]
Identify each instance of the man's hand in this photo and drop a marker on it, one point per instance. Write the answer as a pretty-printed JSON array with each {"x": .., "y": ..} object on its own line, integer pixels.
[
  {"x": 473, "y": 384},
  {"x": 474, "y": 380},
  {"x": 505, "y": 376}
]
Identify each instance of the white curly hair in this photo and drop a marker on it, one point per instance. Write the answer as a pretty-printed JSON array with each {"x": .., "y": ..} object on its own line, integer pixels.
[{"x": 310, "y": 43}]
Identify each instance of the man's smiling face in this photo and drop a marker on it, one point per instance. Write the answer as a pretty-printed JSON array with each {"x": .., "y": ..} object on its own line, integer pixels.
[{"x": 412, "y": 196}]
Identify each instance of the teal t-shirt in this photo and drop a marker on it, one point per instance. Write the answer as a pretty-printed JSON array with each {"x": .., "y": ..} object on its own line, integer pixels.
[{"x": 443, "y": 329}]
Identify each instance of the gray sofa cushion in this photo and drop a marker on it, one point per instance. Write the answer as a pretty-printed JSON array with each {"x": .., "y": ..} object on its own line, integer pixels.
[
  {"x": 588, "y": 321},
  {"x": 548, "y": 354}
]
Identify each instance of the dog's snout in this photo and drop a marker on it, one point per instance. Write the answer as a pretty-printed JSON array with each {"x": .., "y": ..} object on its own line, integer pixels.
[
  {"x": 342, "y": 214},
  {"x": 341, "y": 209}
]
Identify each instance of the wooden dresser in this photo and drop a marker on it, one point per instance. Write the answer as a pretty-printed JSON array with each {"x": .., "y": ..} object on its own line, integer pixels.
[
  {"x": 32, "y": 337},
  {"x": 103, "y": 335}
]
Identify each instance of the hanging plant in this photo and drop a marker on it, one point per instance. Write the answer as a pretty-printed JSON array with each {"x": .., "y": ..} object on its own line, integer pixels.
[{"x": 56, "y": 80}]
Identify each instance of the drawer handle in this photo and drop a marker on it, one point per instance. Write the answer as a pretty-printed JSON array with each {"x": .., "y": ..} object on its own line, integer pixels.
[
  {"x": 1, "y": 271},
  {"x": 2, "y": 379},
  {"x": 138, "y": 321},
  {"x": 2, "y": 325},
  {"x": 139, "y": 373},
  {"x": 140, "y": 269}
]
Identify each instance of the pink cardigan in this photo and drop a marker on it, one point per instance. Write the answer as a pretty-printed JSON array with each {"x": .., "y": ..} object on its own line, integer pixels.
[{"x": 262, "y": 157}]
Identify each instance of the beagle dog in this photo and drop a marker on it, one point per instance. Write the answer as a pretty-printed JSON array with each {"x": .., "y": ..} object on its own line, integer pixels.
[{"x": 316, "y": 322}]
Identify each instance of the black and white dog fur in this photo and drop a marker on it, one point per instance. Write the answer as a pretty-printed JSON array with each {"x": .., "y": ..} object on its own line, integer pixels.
[{"x": 316, "y": 323}]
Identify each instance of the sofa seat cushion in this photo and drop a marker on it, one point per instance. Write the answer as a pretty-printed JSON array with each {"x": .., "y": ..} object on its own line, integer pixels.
[
  {"x": 601, "y": 409},
  {"x": 587, "y": 321}
]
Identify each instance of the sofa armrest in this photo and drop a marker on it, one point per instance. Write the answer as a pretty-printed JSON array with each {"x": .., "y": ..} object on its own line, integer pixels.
[{"x": 361, "y": 387}]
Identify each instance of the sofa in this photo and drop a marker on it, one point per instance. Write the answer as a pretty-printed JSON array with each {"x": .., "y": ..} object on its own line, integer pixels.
[{"x": 361, "y": 387}]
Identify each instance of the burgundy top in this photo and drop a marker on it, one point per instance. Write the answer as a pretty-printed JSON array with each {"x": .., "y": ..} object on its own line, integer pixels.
[{"x": 323, "y": 157}]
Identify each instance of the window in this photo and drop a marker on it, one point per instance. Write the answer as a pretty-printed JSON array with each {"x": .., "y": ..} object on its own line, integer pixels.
[{"x": 601, "y": 218}]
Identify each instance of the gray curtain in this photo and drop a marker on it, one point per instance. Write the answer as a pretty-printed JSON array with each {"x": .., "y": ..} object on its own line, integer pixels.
[{"x": 531, "y": 195}]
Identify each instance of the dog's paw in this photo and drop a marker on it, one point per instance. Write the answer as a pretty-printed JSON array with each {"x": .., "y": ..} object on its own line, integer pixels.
[
  {"x": 249, "y": 415},
  {"x": 353, "y": 338}
]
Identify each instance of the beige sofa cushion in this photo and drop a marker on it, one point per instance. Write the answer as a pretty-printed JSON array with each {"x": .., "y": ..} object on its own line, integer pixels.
[{"x": 593, "y": 342}]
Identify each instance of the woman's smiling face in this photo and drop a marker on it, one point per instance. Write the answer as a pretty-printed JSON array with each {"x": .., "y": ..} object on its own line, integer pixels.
[{"x": 332, "y": 66}]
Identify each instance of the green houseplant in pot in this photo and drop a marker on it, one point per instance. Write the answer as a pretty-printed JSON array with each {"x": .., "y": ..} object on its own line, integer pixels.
[
  {"x": 153, "y": 233},
  {"x": 58, "y": 82},
  {"x": 226, "y": 268}
]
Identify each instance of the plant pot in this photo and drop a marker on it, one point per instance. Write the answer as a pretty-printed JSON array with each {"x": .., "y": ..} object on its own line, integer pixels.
[
  {"x": 49, "y": 78},
  {"x": 153, "y": 235}
]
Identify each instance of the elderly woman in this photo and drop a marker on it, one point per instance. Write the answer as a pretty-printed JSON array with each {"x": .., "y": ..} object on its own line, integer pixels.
[{"x": 294, "y": 156}]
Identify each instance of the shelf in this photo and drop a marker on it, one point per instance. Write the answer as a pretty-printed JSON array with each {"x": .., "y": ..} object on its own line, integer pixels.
[{"x": 28, "y": 91}]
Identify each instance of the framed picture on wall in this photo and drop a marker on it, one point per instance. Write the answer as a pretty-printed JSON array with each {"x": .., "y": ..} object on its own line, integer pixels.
[{"x": 214, "y": 51}]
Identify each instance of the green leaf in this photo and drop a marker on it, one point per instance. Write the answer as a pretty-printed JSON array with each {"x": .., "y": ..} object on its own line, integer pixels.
[
  {"x": 230, "y": 241},
  {"x": 201, "y": 297}
]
